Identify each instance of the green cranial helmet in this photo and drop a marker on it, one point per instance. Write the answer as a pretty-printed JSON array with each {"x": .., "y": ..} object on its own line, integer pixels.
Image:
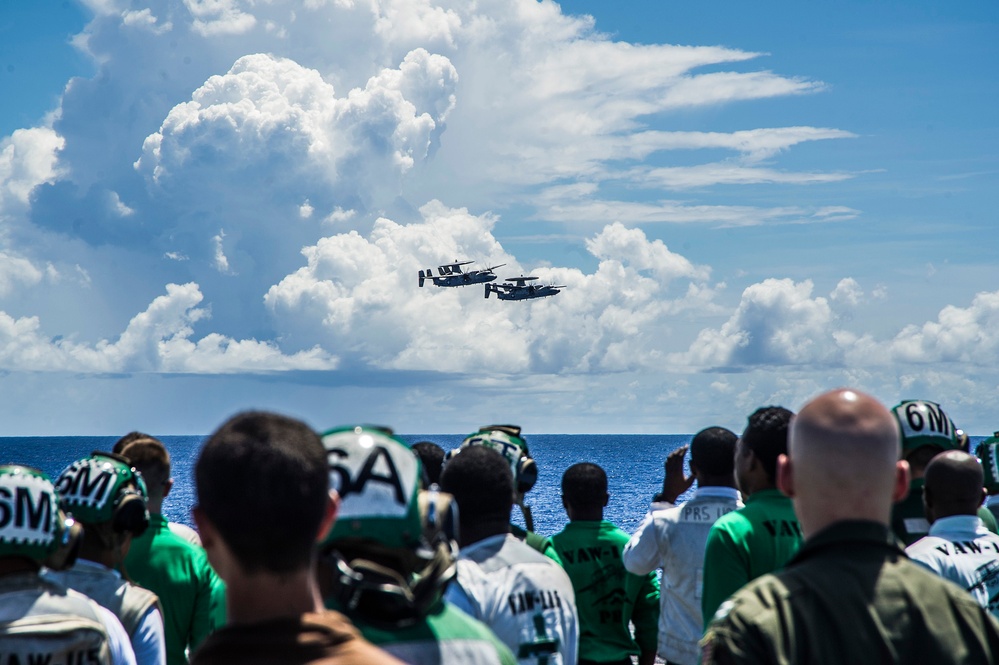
[
  {"x": 105, "y": 488},
  {"x": 378, "y": 479},
  {"x": 31, "y": 524},
  {"x": 924, "y": 423},
  {"x": 507, "y": 441},
  {"x": 988, "y": 452}
]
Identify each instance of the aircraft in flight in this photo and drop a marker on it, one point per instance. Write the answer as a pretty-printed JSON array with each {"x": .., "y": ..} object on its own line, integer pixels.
[
  {"x": 450, "y": 274},
  {"x": 517, "y": 288}
]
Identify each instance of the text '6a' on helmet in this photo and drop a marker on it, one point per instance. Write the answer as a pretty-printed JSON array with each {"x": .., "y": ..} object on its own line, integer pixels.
[
  {"x": 32, "y": 525},
  {"x": 924, "y": 423},
  {"x": 378, "y": 479},
  {"x": 507, "y": 441},
  {"x": 105, "y": 488}
]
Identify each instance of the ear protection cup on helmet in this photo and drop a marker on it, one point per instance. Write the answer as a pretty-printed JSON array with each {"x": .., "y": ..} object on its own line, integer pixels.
[
  {"x": 67, "y": 545},
  {"x": 527, "y": 474},
  {"x": 130, "y": 513},
  {"x": 382, "y": 596},
  {"x": 438, "y": 515}
]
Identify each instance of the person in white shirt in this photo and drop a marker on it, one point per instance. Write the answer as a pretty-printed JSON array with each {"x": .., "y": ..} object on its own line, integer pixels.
[
  {"x": 673, "y": 538},
  {"x": 40, "y": 620},
  {"x": 108, "y": 496},
  {"x": 959, "y": 547},
  {"x": 522, "y": 595}
]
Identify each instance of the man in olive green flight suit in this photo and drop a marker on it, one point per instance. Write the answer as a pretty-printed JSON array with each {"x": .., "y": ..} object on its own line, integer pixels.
[{"x": 850, "y": 595}]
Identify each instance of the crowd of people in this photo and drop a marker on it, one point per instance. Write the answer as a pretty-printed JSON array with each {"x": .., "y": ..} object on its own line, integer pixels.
[{"x": 845, "y": 533}]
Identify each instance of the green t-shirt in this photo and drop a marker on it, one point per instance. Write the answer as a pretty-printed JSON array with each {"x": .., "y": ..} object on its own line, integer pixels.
[
  {"x": 608, "y": 596},
  {"x": 447, "y": 636},
  {"x": 191, "y": 594},
  {"x": 744, "y": 544}
]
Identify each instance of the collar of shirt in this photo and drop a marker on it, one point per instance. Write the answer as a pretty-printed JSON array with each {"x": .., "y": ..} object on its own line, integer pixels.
[
  {"x": 967, "y": 526},
  {"x": 855, "y": 532},
  {"x": 773, "y": 494},
  {"x": 717, "y": 491},
  {"x": 87, "y": 564},
  {"x": 491, "y": 541}
]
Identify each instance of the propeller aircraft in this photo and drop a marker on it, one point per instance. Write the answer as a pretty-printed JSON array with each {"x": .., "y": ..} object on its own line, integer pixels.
[
  {"x": 517, "y": 288},
  {"x": 450, "y": 274}
]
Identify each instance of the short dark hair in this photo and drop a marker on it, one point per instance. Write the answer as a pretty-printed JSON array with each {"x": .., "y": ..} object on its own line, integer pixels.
[
  {"x": 584, "y": 486},
  {"x": 120, "y": 444},
  {"x": 432, "y": 457},
  {"x": 150, "y": 458},
  {"x": 480, "y": 480},
  {"x": 263, "y": 481},
  {"x": 766, "y": 436},
  {"x": 712, "y": 451}
]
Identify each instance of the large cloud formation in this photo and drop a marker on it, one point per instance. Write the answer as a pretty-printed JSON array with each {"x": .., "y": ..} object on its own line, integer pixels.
[{"x": 289, "y": 167}]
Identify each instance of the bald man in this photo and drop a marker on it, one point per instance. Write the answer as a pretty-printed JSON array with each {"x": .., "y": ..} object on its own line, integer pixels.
[
  {"x": 959, "y": 547},
  {"x": 850, "y": 595}
]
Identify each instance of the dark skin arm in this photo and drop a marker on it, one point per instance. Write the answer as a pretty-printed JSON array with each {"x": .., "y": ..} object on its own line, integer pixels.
[
  {"x": 647, "y": 658},
  {"x": 675, "y": 482}
]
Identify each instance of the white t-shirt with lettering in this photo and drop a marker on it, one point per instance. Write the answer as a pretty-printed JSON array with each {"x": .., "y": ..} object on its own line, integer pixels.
[
  {"x": 960, "y": 549},
  {"x": 522, "y": 595},
  {"x": 673, "y": 538}
]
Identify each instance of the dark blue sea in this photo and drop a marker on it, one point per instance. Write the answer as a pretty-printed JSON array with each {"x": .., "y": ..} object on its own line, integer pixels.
[
  {"x": 634, "y": 465},
  {"x": 633, "y": 462}
]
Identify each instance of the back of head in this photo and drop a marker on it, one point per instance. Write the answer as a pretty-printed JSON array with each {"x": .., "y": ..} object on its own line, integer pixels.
[
  {"x": 766, "y": 436},
  {"x": 584, "y": 487},
  {"x": 712, "y": 451},
  {"x": 926, "y": 431},
  {"x": 480, "y": 480},
  {"x": 508, "y": 442},
  {"x": 844, "y": 447},
  {"x": 106, "y": 494},
  {"x": 134, "y": 435},
  {"x": 392, "y": 548},
  {"x": 262, "y": 481},
  {"x": 150, "y": 458},
  {"x": 32, "y": 525},
  {"x": 988, "y": 452},
  {"x": 954, "y": 481},
  {"x": 432, "y": 457}
]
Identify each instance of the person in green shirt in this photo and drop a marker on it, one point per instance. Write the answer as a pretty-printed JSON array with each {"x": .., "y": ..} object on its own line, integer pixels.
[
  {"x": 763, "y": 535},
  {"x": 988, "y": 452},
  {"x": 191, "y": 594},
  {"x": 608, "y": 597}
]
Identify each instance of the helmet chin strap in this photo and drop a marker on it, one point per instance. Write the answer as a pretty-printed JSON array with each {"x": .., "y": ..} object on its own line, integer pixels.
[{"x": 525, "y": 510}]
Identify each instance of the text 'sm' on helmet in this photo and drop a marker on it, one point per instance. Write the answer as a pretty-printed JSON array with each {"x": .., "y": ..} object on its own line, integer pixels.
[
  {"x": 31, "y": 525},
  {"x": 924, "y": 423},
  {"x": 95, "y": 488}
]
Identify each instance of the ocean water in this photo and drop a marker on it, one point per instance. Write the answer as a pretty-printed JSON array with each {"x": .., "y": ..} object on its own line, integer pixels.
[{"x": 634, "y": 466}]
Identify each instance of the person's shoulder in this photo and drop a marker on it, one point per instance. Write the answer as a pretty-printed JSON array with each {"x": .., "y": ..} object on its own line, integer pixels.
[
  {"x": 733, "y": 520},
  {"x": 754, "y": 604},
  {"x": 926, "y": 547}
]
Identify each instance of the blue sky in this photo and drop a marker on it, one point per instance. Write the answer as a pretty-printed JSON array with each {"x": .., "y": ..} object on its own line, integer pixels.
[{"x": 207, "y": 207}]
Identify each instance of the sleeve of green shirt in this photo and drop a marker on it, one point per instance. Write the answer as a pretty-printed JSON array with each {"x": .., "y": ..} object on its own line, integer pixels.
[
  {"x": 988, "y": 519},
  {"x": 725, "y": 571},
  {"x": 645, "y": 614}
]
